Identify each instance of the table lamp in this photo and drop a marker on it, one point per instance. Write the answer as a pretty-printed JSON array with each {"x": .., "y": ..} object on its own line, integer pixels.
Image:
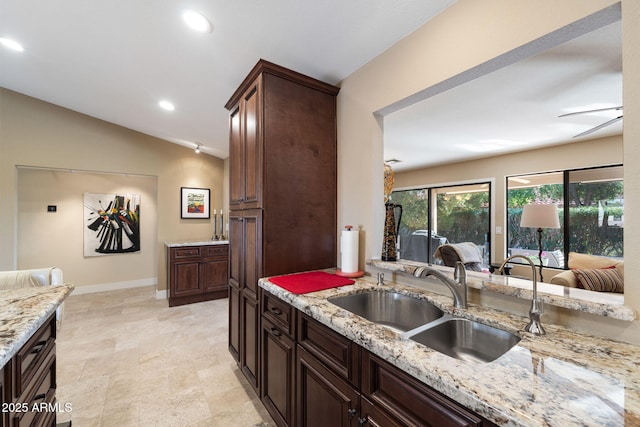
[{"x": 540, "y": 216}]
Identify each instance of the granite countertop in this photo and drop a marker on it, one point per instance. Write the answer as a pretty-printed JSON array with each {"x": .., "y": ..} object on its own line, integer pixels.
[
  {"x": 195, "y": 243},
  {"x": 23, "y": 311},
  {"x": 564, "y": 378},
  {"x": 598, "y": 303}
]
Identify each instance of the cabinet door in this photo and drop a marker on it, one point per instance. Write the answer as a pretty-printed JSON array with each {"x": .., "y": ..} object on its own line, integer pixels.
[
  {"x": 278, "y": 367},
  {"x": 245, "y": 252},
  {"x": 236, "y": 249},
  {"x": 252, "y": 136},
  {"x": 187, "y": 278},
  {"x": 215, "y": 276},
  {"x": 245, "y": 151},
  {"x": 236, "y": 158},
  {"x": 322, "y": 398},
  {"x": 252, "y": 230},
  {"x": 250, "y": 338},
  {"x": 234, "y": 322}
]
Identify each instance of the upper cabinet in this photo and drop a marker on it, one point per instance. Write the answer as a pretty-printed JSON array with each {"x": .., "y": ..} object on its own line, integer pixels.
[
  {"x": 245, "y": 150},
  {"x": 283, "y": 160}
]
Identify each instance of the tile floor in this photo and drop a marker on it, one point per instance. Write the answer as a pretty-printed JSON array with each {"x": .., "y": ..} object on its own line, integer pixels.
[{"x": 127, "y": 359}]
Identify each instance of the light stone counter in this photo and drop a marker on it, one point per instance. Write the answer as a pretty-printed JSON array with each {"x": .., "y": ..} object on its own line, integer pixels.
[
  {"x": 195, "y": 243},
  {"x": 560, "y": 379},
  {"x": 598, "y": 303},
  {"x": 23, "y": 311}
]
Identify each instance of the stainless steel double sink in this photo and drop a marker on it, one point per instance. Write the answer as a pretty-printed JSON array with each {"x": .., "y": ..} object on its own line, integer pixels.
[{"x": 423, "y": 322}]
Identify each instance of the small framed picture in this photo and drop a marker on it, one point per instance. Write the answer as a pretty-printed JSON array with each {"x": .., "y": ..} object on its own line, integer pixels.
[{"x": 194, "y": 202}]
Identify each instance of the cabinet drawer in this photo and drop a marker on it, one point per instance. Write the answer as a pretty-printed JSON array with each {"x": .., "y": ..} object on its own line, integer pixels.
[
  {"x": 337, "y": 352},
  {"x": 39, "y": 398},
  {"x": 279, "y": 312},
  {"x": 409, "y": 400},
  {"x": 186, "y": 252},
  {"x": 217, "y": 251},
  {"x": 32, "y": 355}
]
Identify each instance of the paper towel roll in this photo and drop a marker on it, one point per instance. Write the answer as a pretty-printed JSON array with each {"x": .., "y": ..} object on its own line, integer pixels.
[{"x": 349, "y": 250}]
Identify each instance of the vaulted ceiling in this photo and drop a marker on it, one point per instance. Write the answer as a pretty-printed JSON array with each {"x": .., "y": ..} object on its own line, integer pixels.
[{"x": 114, "y": 60}]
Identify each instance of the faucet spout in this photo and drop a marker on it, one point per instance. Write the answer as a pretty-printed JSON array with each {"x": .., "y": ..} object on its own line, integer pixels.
[
  {"x": 457, "y": 285},
  {"x": 535, "y": 312}
]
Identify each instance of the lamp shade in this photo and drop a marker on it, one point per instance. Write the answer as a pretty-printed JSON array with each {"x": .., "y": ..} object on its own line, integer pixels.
[{"x": 540, "y": 216}]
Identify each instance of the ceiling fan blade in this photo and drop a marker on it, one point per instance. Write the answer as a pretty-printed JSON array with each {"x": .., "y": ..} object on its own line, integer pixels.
[
  {"x": 605, "y": 124},
  {"x": 591, "y": 111}
]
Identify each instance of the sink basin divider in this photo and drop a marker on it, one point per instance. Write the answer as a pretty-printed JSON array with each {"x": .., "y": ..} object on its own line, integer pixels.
[{"x": 445, "y": 318}]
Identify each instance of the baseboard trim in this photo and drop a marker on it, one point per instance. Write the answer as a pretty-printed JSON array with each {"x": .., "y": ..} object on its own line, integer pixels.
[{"x": 114, "y": 286}]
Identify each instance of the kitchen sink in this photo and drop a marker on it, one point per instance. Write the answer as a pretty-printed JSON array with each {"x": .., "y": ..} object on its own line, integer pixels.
[
  {"x": 467, "y": 340},
  {"x": 390, "y": 309}
]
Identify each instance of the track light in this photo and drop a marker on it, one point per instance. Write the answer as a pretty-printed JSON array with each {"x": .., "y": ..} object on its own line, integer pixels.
[{"x": 198, "y": 148}]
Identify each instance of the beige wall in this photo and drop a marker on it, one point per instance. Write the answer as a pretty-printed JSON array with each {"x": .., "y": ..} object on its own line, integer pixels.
[
  {"x": 37, "y": 134},
  {"x": 46, "y": 238},
  {"x": 466, "y": 36}
]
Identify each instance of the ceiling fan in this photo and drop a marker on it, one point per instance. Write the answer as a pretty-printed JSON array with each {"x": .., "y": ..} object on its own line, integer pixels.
[{"x": 600, "y": 126}]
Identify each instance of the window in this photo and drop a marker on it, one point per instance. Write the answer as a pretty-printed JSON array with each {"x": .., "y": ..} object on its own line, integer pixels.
[
  {"x": 453, "y": 214},
  {"x": 590, "y": 205}
]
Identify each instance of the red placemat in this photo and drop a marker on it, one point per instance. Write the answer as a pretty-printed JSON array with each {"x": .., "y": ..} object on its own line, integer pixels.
[{"x": 302, "y": 283}]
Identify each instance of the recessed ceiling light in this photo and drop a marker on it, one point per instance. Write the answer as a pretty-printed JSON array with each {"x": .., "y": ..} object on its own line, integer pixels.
[
  {"x": 11, "y": 44},
  {"x": 166, "y": 105},
  {"x": 196, "y": 21}
]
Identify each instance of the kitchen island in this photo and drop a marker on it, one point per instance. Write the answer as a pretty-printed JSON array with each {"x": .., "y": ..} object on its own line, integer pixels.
[{"x": 560, "y": 379}]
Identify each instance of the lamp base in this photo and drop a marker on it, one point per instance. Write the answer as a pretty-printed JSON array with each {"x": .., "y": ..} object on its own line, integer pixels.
[{"x": 540, "y": 251}]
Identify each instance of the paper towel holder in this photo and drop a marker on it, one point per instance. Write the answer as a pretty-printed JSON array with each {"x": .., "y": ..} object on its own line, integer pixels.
[{"x": 354, "y": 274}]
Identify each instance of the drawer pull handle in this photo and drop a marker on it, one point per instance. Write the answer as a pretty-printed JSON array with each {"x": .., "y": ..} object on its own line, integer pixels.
[
  {"x": 38, "y": 347},
  {"x": 275, "y": 332},
  {"x": 40, "y": 397},
  {"x": 275, "y": 311}
]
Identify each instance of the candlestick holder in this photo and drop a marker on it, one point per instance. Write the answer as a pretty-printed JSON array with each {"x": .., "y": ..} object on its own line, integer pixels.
[{"x": 215, "y": 235}]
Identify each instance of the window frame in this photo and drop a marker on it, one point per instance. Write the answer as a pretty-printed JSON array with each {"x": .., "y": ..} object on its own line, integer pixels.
[
  {"x": 431, "y": 191},
  {"x": 566, "y": 181}
]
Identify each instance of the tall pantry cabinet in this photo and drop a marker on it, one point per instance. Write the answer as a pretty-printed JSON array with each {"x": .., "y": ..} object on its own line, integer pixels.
[{"x": 282, "y": 191}]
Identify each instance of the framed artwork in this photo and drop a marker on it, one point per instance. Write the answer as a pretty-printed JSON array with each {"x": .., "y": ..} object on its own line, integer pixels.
[
  {"x": 111, "y": 224},
  {"x": 194, "y": 202}
]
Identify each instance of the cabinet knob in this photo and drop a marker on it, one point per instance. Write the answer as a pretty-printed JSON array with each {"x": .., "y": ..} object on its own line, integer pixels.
[
  {"x": 362, "y": 421},
  {"x": 351, "y": 412}
]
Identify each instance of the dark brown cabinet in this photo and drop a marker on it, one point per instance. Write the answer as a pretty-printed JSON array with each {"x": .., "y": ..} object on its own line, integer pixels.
[
  {"x": 282, "y": 191},
  {"x": 313, "y": 376},
  {"x": 197, "y": 273},
  {"x": 4, "y": 415},
  {"x": 410, "y": 401},
  {"x": 323, "y": 397},
  {"x": 245, "y": 263},
  {"x": 29, "y": 381},
  {"x": 245, "y": 151},
  {"x": 278, "y": 365}
]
